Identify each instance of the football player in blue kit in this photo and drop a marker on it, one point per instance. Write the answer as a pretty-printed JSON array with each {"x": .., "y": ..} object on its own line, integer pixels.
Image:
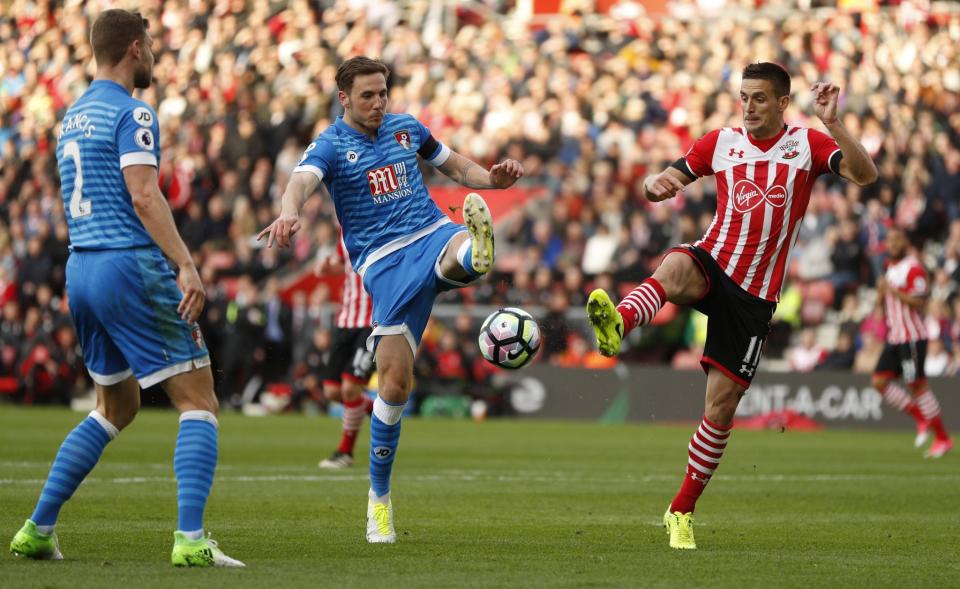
[
  {"x": 405, "y": 248},
  {"x": 135, "y": 318}
]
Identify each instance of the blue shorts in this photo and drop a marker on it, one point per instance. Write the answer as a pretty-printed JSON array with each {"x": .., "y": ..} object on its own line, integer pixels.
[
  {"x": 404, "y": 285},
  {"x": 124, "y": 307}
]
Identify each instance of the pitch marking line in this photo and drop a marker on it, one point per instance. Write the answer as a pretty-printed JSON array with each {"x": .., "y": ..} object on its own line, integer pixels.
[{"x": 510, "y": 478}]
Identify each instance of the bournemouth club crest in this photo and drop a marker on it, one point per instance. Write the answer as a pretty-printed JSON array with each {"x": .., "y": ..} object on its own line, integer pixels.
[
  {"x": 403, "y": 138},
  {"x": 197, "y": 337}
]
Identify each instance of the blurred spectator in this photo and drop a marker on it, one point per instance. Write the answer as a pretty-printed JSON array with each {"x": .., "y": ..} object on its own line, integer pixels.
[
  {"x": 554, "y": 327},
  {"x": 807, "y": 354},
  {"x": 938, "y": 359},
  {"x": 841, "y": 357},
  {"x": 847, "y": 261}
]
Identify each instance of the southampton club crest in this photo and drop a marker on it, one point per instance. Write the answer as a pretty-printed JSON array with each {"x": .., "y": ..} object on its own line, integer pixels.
[
  {"x": 403, "y": 138},
  {"x": 789, "y": 149}
]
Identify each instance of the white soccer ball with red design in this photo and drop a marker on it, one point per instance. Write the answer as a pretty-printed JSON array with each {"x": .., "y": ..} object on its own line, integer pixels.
[{"x": 509, "y": 338}]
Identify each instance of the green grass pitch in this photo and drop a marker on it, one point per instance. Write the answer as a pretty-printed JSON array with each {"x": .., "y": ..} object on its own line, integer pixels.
[{"x": 496, "y": 504}]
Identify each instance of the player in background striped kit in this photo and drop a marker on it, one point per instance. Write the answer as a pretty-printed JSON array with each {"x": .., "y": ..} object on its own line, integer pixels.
[
  {"x": 903, "y": 292},
  {"x": 351, "y": 364},
  {"x": 764, "y": 173}
]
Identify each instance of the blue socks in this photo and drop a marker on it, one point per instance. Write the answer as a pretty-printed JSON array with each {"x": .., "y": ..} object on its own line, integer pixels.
[
  {"x": 194, "y": 461},
  {"x": 78, "y": 454},
  {"x": 384, "y": 437},
  {"x": 465, "y": 257}
]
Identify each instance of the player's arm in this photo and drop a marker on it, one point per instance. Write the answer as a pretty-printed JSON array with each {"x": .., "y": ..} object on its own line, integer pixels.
[
  {"x": 466, "y": 172},
  {"x": 882, "y": 288},
  {"x": 855, "y": 163},
  {"x": 154, "y": 212},
  {"x": 696, "y": 163},
  {"x": 666, "y": 184},
  {"x": 915, "y": 302},
  {"x": 300, "y": 186}
]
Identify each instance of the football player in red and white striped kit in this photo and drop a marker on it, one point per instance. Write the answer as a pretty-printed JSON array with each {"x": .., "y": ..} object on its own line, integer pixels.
[
  {"x": 764, "y": 173},
  {"x": 351, "y": 364},
  {"x": 903, "y": 293}
]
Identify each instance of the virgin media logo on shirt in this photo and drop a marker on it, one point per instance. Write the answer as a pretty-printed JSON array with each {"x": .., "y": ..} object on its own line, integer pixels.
[
  {"x": 747, "y": 195},
  {"x": 389, "y": 183}
]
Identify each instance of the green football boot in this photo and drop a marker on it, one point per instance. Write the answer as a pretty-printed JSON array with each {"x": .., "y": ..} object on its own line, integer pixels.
[
  {"x": 202, "y": 552},
  {"x": 31, "y": 543}
]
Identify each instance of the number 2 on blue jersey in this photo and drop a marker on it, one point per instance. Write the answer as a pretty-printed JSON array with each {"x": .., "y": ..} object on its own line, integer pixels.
[{"x": 78, "y": 206}]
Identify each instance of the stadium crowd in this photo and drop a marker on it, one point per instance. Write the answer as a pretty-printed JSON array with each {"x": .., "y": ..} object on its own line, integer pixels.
[{"x": 589, "y": 103}]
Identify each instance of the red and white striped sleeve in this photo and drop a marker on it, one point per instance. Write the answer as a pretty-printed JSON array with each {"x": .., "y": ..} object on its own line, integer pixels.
[
  {"x": 699, "y": 157},
  {"x": 917, "y": 283},
  {"x": 825, "y": 152}
]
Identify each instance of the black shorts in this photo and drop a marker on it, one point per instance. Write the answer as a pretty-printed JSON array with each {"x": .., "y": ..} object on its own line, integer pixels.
[
  {"x": 903, "y": 360},
  {"x": 738, "y": 322},
  {"x": 349, "y": 358}
]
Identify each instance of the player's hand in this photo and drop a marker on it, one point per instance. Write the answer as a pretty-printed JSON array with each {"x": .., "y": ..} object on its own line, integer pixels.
[
  {"x": 504, "y": 174},
  {"x": 882, "y": 286},
  {"x": 194, "y": 297},
  {"x": 280, "y": 231},
  {"x": 825, "y": 97},
  {"x": 663, "y": 186},
  {"x": 328, "y": 265}
]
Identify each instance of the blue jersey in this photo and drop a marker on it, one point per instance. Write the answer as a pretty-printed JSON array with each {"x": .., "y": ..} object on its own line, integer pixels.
[
  {"x": 103, "y": 132},
  {"x": 376, "y": 185}
]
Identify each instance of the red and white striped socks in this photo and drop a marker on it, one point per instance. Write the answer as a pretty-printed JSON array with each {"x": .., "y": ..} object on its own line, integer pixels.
[
  {"x": 930, "y": 409},
  {"x": 898, "y": 398},
  {"x": 641, "y": 305},
  {"x": 353, "y": 412},
  {"x": 703, "y": 457}
]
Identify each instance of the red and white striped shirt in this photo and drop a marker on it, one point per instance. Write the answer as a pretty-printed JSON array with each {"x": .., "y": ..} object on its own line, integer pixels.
[
  {"x": 356, "y": 309},
  {"x": 763, "y": 188},
  {"x": 904, "y": 323}
]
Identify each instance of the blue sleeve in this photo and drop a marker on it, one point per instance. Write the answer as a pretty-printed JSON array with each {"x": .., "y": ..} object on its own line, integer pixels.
[
  {"x": 430, "y": 149},
  {"x": 319, "y": 159},
  {"x": 138, "y": 137}
]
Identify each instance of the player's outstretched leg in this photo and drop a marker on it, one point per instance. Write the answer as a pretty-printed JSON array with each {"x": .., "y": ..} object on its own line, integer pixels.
[
  {"x": 612, "y": 324},
  {"x": 476, "y": 254},
  {"x": 79, "y": 453},
  {"x": 194, "y": 461},
  {"x": 384, "y": 439}
]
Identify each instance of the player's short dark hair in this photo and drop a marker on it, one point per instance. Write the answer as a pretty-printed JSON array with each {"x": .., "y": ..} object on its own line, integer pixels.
[
  {"x": 358, "y": 66},
  {"x": 772, "y": 73},
  {"x": 113, "y": 32}
]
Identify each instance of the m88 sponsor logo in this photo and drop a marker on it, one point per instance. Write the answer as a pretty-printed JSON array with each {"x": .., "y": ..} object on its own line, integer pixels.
[{"x": 389, "y": 183}]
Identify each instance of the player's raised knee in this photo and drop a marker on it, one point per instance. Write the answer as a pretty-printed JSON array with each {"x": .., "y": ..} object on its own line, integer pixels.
[{"x": 681, "y": 278}]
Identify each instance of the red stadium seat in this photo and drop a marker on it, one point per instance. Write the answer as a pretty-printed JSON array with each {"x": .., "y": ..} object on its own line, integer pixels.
[
  {"x": 8, "y": 385},
  {"x": 820, "y": 290}
]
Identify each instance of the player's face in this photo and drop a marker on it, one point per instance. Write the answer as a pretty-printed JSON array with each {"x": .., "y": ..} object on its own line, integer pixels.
[
  {"x": 762, "y": 110},
  {"x": 896, "y": 244},
  {"x": 366, "y": 104},
  {"x": 143, "y": 72}
]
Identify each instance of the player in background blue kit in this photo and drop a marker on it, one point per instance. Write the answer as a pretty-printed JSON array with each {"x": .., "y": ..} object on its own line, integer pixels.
[
  {"x": 398, "y": 240},
  {"x": 136, "y": 327}
]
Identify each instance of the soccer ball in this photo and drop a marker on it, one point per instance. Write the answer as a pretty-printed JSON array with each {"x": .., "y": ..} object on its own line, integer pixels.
[{"x": 509, "y": 338}]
